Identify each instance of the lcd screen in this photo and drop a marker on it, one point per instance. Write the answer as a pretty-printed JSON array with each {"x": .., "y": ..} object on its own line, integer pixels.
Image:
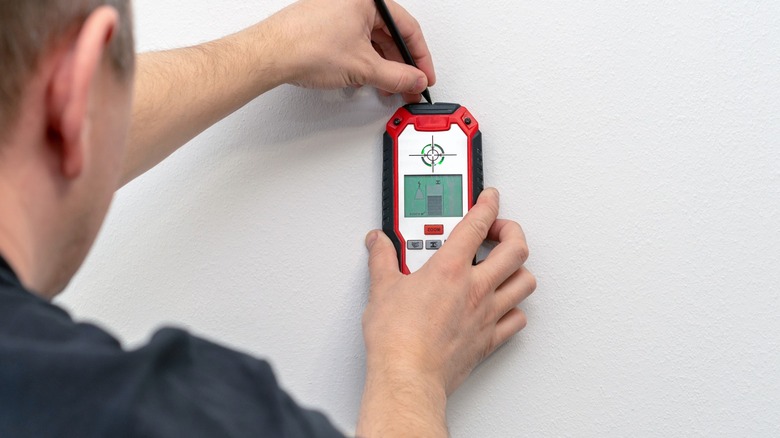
[{"x": 433, "y": 195}]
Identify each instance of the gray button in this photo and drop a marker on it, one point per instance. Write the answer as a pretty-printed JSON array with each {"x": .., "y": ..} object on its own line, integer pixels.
[
  {"x": 414, "y": 245},
  {"x": 432, "y": 244}
]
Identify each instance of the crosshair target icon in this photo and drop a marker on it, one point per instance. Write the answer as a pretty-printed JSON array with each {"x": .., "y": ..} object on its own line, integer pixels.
[{"x": 432, "y": 155}]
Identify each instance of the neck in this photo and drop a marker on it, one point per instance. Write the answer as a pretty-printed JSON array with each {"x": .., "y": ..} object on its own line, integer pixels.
[
  {"x": 26, "y": 208},
  {"x": 17, "y": 238}
]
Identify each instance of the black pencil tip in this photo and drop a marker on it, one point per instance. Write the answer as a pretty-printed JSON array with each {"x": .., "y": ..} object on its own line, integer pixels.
[{"x": 427, "y": 95}]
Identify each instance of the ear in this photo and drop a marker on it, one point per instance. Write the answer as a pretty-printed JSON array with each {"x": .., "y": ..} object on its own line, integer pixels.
[{"x": 71, "y": 87}]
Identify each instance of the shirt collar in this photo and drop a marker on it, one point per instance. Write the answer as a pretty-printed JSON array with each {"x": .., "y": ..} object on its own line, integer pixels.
[{"x": 7, "y": 274}]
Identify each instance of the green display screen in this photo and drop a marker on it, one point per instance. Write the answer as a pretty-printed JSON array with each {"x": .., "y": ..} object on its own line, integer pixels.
[{"x": 433, "y": 195}]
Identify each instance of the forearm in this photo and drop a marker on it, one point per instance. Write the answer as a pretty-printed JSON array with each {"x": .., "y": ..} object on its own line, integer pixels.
[
  {"x": 310, "y": 43},
  {"x": 180, "y": 93},
  {"x": 398, "y": 404}
]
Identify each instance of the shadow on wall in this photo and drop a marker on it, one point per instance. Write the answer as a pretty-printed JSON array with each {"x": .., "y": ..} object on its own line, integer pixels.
[{"x": 290, "y": 114}]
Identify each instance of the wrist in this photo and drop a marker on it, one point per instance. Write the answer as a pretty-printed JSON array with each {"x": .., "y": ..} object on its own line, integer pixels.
[
  {"x": 281, "y": 46},
  {"x": 402, "y": 401},
  {"x": 263, "y": 56}
]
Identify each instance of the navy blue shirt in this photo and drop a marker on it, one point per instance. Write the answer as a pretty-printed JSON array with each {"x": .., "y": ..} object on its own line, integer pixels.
[{"x": 63, "y": 379}]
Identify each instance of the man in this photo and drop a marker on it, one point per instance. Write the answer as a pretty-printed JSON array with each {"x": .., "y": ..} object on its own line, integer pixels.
[{"x": 77, "y": 121}]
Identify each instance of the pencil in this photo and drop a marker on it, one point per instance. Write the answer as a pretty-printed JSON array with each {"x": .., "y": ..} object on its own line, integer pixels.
[{"x": 399, "y": 42}]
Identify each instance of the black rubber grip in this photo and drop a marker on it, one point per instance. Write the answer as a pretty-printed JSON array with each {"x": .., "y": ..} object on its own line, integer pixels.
[
  {"x": 388, "y": 196},
  {"x": 478, "y": 178},
  {"x": 432, "y": 108}
]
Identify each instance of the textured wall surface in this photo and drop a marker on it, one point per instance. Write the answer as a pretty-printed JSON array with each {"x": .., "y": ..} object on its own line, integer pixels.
[{"x": 638, "y": 142}]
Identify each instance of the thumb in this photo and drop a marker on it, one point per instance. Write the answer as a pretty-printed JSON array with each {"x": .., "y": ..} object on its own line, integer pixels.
[
  {"x": 382, "y": 258},
  {"x": 395, "y": 77}
]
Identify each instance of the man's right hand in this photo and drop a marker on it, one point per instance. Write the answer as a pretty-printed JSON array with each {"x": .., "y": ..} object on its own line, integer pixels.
[
  {"x": 340, "y": 43},
  {"x": 322, "y": 44},
  {"x": 426, "y": 332}
]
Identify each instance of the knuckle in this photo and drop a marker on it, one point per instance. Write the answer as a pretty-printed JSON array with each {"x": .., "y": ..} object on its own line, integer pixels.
[
  {"x": 532, "y": 282},
  {"x": 415, "y": 31},
  {"x": 478, "y": 228},
  {"x": 415, "y": 25},
  {"x": 358, "y": 75},
  {"x": 523, "y": 320},
  {"x": 399, "y": 85},
  {"x": 519, "y": 251},
  {"x": 469, "y": 229},
  {"x": 515, "y": 227}
]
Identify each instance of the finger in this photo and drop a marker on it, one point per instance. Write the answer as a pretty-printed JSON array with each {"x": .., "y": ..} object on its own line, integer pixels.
[
  {"x": 495, "y": 231},
  {"x": 514, "y": 291},
  {"x": 508, "y": 326},
  {"x": 469, "y": 234},
  {"x": 412, "y": 34},
  {"x": 381, "y": 53},
  {"x": 395, "y": 77},
  {"x": 385, "y": 46},
  {"x": 508, "y": 256},
  {"x": 382, "y": 258},
  {"x": 412, "y": 98}
]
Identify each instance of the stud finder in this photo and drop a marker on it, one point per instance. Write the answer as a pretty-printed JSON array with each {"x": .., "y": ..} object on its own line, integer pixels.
[{"x": 432, "y": 176}]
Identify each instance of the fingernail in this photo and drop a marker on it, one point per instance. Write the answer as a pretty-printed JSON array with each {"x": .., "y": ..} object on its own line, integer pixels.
[
  {"x": 494, "y": 190},
  {"x": 371, "y": 238}
]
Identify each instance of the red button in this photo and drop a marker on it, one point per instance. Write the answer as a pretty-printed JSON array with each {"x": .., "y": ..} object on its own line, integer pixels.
[
  {"x": 434, "y": 230},
  {"x": 432, "y": 123}
]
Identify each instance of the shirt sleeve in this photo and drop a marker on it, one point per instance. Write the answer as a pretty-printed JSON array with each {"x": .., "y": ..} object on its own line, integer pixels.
[
  {"x": 186, "y": 386},
  {"x": 62, "y": 379}
]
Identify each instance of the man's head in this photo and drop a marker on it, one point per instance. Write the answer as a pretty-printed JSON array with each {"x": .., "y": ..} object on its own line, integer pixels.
[
  {"x": 31, "y": 28},
  {"x": 66, "y": 73}
]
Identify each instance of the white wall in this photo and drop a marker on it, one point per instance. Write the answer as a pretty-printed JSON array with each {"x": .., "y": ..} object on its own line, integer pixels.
[{"x": 637, "y": 142}]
